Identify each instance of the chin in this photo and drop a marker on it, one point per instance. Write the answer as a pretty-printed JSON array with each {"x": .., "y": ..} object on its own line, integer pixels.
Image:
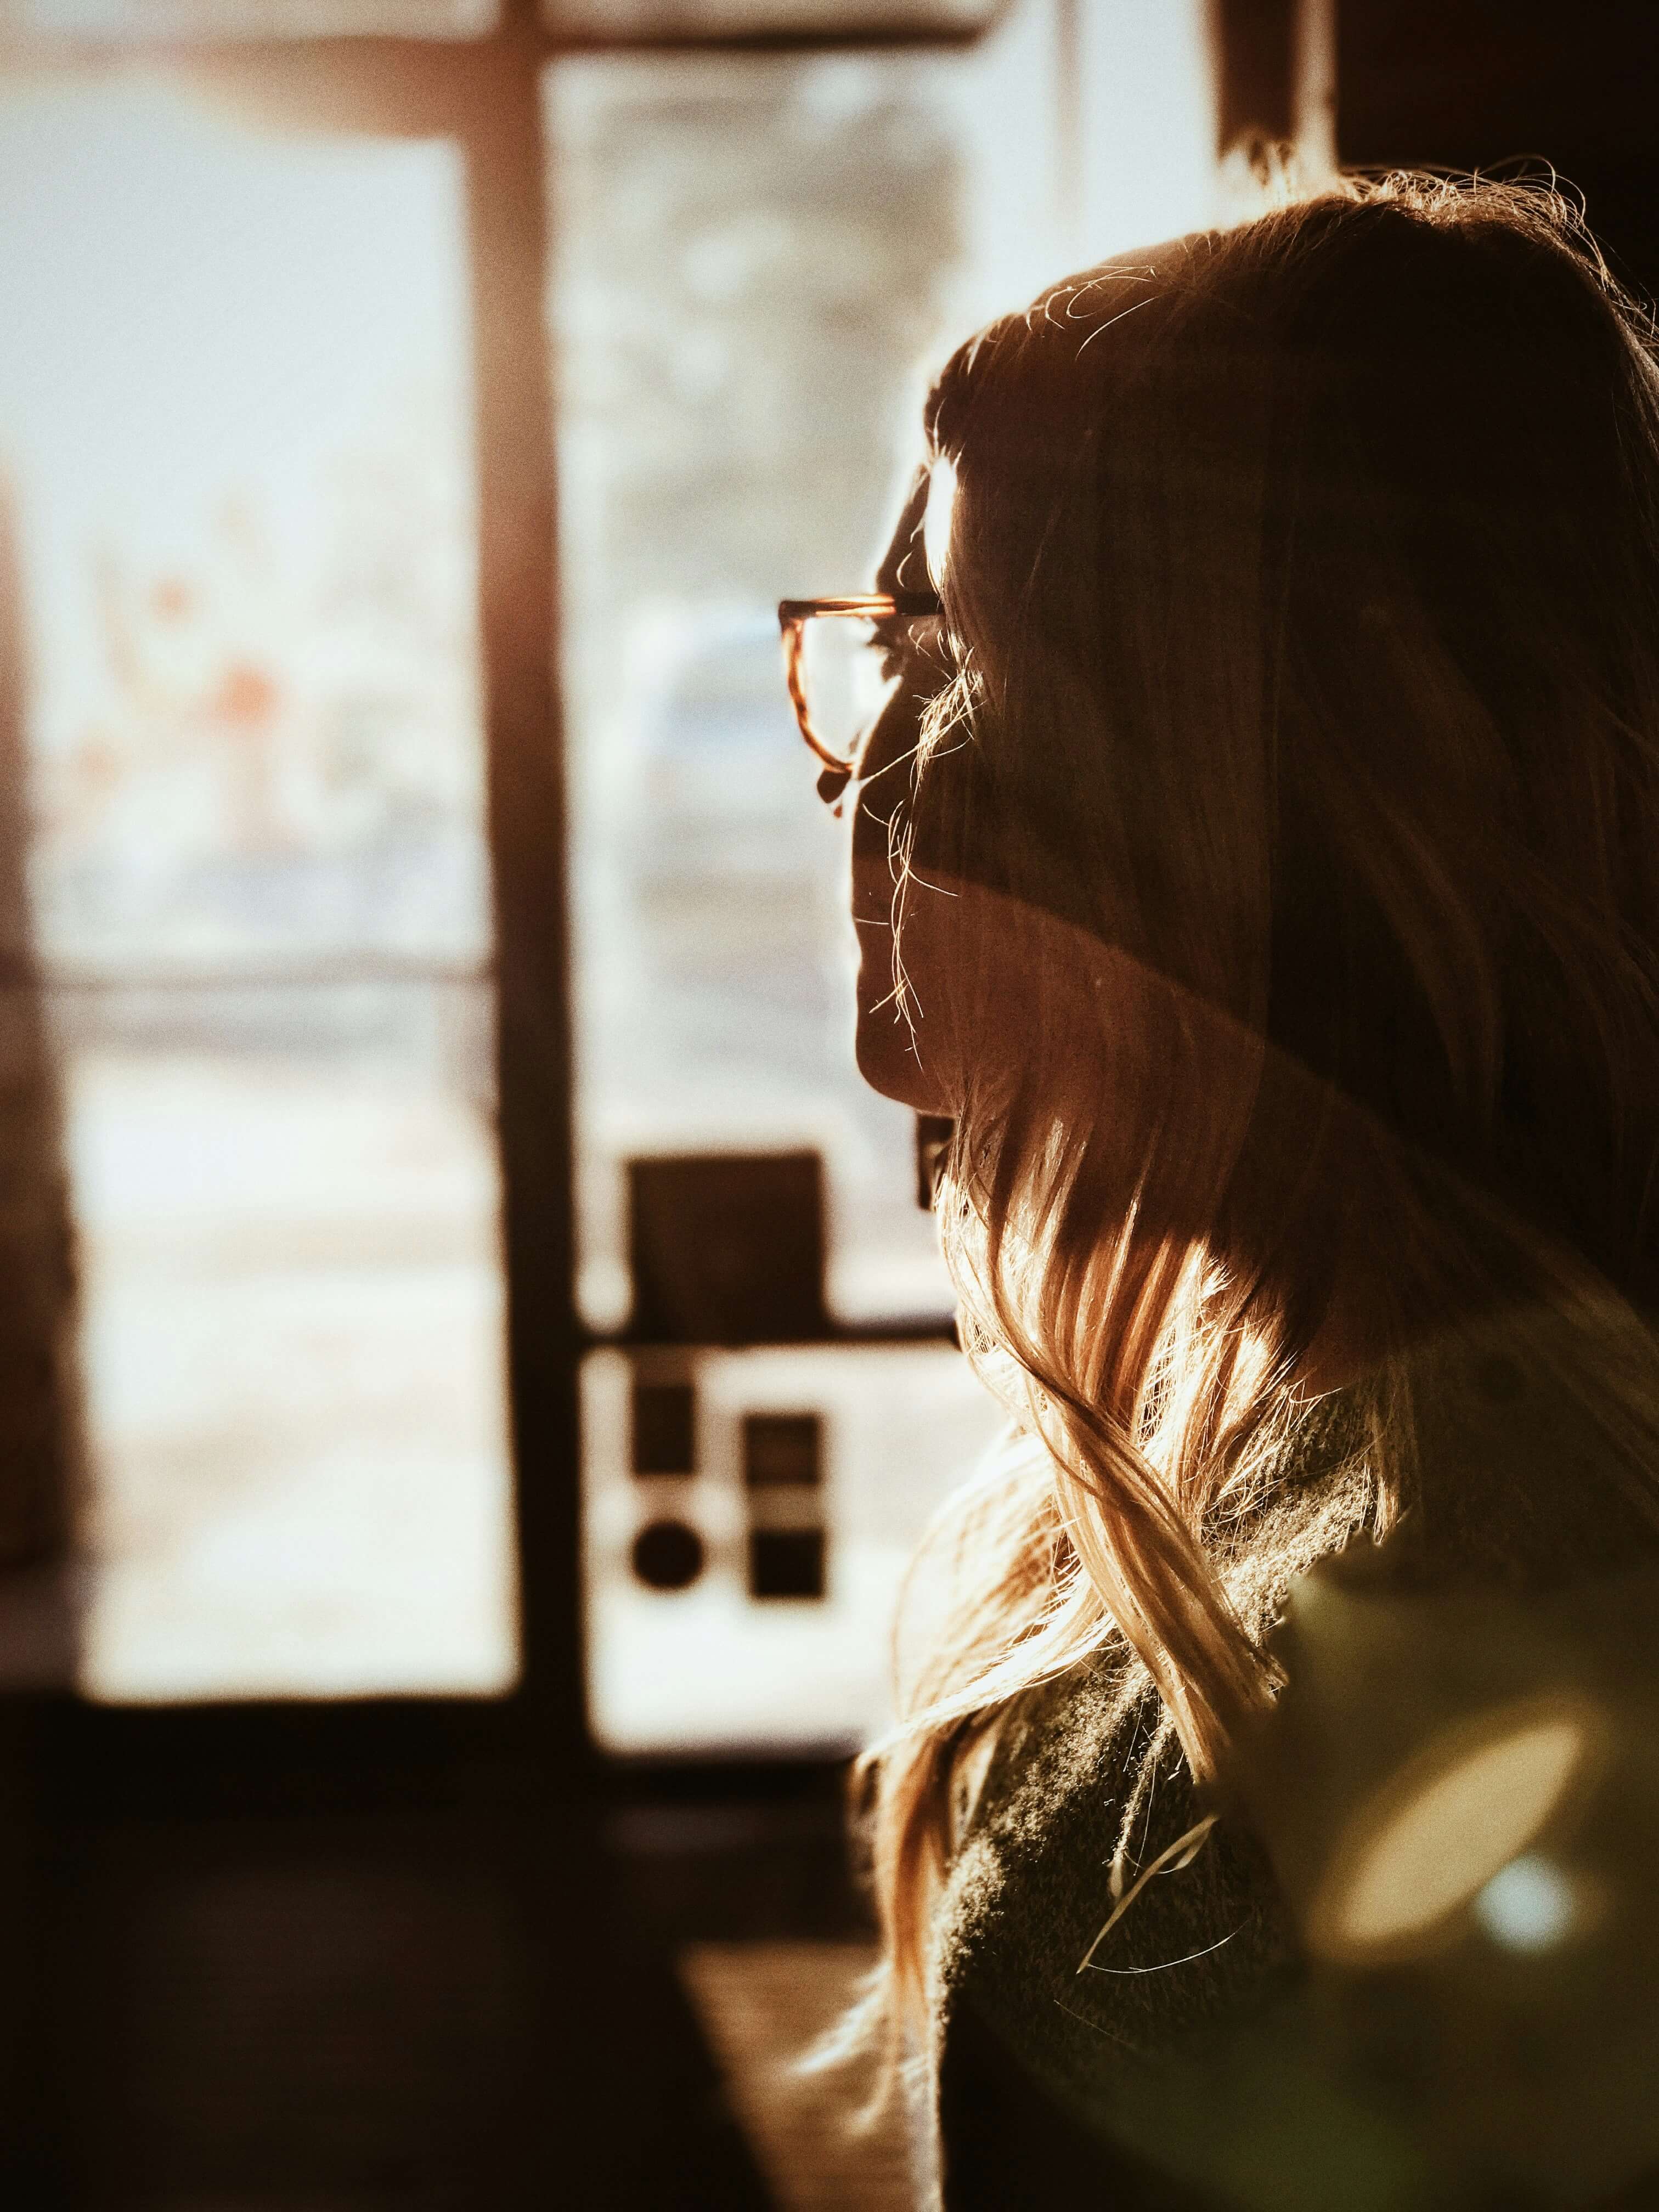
[{"x": 889, "y": 1062}]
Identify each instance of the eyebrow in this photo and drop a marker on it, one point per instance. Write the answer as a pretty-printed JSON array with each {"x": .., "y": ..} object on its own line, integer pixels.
[
  {"x": 891, "y": 574},
  {"x": 915, "y": 546}
]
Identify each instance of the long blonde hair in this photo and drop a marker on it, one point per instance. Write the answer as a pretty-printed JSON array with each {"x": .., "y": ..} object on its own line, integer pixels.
[{"x": 1291, "y": 832}]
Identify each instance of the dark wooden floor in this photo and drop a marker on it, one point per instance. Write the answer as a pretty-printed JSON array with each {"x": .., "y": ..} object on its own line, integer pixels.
[{"x": 294, "y": 1998}]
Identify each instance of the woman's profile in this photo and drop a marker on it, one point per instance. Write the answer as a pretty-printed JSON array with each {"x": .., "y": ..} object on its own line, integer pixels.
[{"x": 1256, "y": 861}]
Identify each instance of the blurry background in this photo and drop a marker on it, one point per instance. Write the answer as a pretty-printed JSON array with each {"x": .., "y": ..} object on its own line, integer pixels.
[{"x": 473, "y": 1364}]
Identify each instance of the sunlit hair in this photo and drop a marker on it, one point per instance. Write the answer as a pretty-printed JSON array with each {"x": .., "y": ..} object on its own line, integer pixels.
[{"x": 1277, "y": 904}]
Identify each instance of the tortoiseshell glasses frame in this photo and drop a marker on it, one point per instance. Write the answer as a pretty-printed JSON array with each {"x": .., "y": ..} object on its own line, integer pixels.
[{"x": 793, "y": 615}]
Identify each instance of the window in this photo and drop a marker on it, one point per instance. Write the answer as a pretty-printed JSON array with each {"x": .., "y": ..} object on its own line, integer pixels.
[
  {"x": 756, "y": 257},
  {"x": 237, "y": 405}
]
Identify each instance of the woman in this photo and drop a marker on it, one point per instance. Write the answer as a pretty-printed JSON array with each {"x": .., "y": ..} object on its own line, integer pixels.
[{"x": 1258, "y": 862}]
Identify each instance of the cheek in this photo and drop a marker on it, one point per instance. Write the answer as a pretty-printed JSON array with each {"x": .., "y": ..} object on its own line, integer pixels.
[
  {"x": 874, "y": 867},
  {"x": 905, "y": 1047},
  {"x": 897, "y": 1057},
  {"x": 902, "y": 1044}
]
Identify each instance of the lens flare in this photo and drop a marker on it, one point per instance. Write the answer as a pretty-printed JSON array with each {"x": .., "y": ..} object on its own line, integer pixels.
[
  {"x": 1527, "y": 1906},
  {"x": 1450, "y": 1828}
]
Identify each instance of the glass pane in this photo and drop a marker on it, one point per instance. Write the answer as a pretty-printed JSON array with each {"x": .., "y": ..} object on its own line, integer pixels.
[
  {"x": 237, "y": 398},
  {"x": 663, "y": 19},
  {"x": 754, "y": 255},
  {"x": 252, "y": 19},
  {"x": 849, "y": 675}
]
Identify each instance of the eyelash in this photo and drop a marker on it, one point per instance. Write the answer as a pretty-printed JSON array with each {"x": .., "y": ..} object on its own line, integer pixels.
[
  {"x": 895, "y": 650},
  {"x": 892, "y": 652}
]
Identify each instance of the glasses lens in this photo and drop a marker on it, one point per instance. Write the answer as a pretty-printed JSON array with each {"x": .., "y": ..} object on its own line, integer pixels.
[{"x": 851, "y": 668}]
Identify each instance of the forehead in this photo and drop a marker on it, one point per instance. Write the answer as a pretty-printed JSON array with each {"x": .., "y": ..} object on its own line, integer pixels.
[{"x": 915, "y": 558}]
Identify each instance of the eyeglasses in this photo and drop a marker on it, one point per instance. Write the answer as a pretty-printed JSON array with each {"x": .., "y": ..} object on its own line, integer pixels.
[{"x": 844, "y": 660}]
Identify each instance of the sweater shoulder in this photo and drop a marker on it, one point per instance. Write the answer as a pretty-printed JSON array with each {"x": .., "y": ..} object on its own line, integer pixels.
[{"x": 1031, "y": 1888}]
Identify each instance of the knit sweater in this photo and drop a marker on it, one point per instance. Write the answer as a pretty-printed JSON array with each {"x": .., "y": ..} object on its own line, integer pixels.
[{"x": 1157, "y": 2075}]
